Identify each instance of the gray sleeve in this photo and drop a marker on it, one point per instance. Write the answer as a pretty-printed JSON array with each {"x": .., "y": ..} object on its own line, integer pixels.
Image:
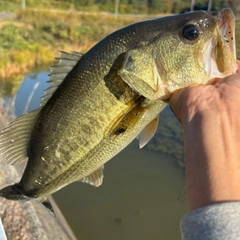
[{"x": 214, "y": 222}]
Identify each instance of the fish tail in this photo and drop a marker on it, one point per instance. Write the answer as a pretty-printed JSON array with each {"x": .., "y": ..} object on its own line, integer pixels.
[{"x": 13, "y": 192}]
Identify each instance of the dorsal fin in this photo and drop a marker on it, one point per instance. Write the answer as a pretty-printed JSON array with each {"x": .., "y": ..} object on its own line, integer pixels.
[
  {"x": 58, "y": 72},
  {"x": 15, "y": 136},
  {"x": 95, "y": 179}
]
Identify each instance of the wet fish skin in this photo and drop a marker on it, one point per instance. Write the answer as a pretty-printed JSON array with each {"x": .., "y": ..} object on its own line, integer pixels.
[{"x": 113, "y": 92}]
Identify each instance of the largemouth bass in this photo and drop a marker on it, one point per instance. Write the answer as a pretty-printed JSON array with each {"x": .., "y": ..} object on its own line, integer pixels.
[{"x": 101, "y": 101}]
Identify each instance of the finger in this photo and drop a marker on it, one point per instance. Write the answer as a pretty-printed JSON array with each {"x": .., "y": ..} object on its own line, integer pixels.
[
  {"x": 238, "y": 63},
  {"x": 174, "y": 101},
  {"x": 233, "y": 79}
]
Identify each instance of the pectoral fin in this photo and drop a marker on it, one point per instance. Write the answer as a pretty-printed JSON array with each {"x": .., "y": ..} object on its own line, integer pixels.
[
  {"x": 148, "y": 132},
  {"x": 126, "y": 121},
  {"x": 95, "y": 179}
]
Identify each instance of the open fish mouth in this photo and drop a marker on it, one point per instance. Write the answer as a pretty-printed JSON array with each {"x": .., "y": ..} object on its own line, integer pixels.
[
  {"x": 222, "y": 49},
  {"x": 226, "y": 25}
]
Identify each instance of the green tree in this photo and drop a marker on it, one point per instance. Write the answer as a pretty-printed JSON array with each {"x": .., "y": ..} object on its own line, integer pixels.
[
  {"x": 155, "y": 6},
  {"x": 167, "y": 6},
  {"x": 140, "y": 6}
]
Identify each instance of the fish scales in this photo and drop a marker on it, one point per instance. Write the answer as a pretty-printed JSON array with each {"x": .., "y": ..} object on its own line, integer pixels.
[
  {"x": 112, "y": 95},
  {"x": 74, "y": 131}
]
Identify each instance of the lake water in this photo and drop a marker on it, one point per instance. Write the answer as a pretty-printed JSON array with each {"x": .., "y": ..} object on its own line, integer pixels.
[{"x": 142, "y": 196}]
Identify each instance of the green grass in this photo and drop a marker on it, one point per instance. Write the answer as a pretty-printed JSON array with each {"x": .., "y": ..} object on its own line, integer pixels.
[
  {"x": 35, "y": 36},
  {"x": 12, "y": 37}
]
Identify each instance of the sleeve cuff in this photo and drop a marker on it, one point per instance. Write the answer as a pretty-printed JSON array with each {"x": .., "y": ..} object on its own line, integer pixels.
[{"x": 214, "y": 222}]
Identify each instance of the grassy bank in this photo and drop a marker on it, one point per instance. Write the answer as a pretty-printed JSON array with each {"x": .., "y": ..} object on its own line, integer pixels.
[{"x": 34, "y": 37}]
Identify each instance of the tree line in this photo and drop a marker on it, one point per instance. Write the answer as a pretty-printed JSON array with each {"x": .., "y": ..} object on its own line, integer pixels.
[
  {"x": 155, "y": 6},
  {"x": 133, "y": 6}
]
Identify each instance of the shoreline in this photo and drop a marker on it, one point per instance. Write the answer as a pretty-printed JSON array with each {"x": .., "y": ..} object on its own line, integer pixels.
[{"x": 33, "y": 38}]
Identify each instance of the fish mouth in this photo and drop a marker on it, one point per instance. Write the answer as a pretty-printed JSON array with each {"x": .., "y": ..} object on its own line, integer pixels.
[
  {"x": 222, "y": 49},
  {"x": 226, "y": 23}
]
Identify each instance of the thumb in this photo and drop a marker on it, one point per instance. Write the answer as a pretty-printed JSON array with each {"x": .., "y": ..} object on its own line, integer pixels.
[{"x": 176, "y": 102}]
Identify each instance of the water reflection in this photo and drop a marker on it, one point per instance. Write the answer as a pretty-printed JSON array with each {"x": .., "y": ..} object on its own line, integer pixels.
[
  {"x": 30, "y": 92},
  {"x": 139, "y": 198}
]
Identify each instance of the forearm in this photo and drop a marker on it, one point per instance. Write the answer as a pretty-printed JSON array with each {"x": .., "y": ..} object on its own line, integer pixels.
[
  {"x": 210, "y": 118},
  {"x": 212, "y": 159}
]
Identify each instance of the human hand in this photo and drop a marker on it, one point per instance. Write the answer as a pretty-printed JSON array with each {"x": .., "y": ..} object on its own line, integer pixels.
[{"x": 210, "y": 118}]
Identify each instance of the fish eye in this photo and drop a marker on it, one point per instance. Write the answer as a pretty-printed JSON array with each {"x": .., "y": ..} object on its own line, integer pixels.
[{"x": 190, "y": 32}]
